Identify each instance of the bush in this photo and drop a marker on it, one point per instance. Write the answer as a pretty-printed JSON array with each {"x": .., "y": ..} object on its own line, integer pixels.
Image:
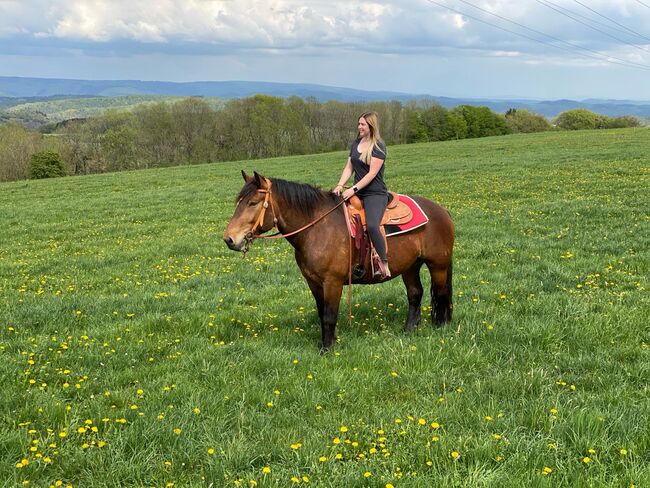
[
  {"x": 45, "y": 164},
  {"x": 525, "y": 121},
  {"x": 579, "y": 119}
]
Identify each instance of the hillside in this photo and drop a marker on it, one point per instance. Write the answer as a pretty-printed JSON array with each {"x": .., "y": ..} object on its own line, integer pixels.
[
  {"x": 43, "y": 87},
  {"x": 137, "y": 350}
]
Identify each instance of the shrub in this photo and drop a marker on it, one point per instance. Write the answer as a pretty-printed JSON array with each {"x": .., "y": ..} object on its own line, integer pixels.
[
  {"x": 525, "y": 121},
  {"x": 45, "y": 164},
  {"x": 580, "y": 118}
]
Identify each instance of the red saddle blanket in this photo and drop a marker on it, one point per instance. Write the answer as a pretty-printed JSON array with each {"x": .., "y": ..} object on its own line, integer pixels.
[{"x": 418, "y": 219}]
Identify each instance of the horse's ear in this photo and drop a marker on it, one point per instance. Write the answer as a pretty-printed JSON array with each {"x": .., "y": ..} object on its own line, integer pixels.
[
  {"x": 262, "y": 182},
  {"x": 247, "y": 178}
]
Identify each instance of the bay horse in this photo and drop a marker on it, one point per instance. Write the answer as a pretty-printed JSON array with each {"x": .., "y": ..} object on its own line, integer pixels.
[{"x": 322, "y": 249}]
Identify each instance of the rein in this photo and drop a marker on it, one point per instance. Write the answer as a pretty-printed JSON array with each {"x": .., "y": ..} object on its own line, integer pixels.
[{"x": 269, "y": 201}]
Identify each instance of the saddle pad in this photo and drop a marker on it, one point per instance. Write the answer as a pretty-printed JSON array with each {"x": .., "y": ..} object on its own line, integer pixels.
[{"x": 418, "y": 220}]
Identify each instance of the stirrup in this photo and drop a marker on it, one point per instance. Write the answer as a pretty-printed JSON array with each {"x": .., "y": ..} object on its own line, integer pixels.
[{"x": 382, "y": 270}]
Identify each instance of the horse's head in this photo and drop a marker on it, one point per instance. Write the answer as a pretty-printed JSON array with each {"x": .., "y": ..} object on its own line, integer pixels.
[{"x": 251, "y": 217}]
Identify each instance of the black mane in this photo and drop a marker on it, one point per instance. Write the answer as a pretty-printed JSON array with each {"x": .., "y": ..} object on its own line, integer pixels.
[{"x": 302, "y": 196}]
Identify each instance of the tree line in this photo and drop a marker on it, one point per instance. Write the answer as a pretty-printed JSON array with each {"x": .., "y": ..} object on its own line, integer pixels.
[{"x": 189, "y": 131}]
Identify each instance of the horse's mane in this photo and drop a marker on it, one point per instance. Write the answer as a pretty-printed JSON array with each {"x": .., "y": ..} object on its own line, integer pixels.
[{"x": 300, "y": 196}]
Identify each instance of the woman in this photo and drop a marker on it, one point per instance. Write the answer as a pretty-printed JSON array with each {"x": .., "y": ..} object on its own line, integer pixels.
[{"x": 366, "y": 160}]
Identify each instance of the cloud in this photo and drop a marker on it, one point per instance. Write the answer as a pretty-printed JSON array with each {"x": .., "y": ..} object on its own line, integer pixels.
[{"x": 382, "y": 26}]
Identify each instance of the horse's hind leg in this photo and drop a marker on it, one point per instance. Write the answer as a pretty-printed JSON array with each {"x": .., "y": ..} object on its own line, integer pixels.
[
  {"x": 441, "y": 294},
  {"x": 414, "y": 292}
]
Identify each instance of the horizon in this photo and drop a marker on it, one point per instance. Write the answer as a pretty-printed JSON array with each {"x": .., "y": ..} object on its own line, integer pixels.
[
  {"x": 476, "y": 98},
  {"x": 537, "y": 50}
]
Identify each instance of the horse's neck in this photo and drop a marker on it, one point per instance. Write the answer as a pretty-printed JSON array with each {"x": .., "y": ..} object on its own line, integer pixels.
[{"x": 291, "y": 219}]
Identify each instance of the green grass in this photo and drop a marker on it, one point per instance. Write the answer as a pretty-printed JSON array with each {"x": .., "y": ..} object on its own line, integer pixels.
[{"x": 122, "y": 309}]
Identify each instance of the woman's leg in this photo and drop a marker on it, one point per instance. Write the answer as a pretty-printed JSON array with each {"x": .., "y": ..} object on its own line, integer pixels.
[{"x": 375, "y": 206}]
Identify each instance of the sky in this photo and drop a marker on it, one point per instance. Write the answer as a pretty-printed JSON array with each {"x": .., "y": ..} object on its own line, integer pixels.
[{"x": 541, "y": 49}]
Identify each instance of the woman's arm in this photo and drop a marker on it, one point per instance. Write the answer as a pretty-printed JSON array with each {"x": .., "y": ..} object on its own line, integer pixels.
[{"x": 345, "y": 176}]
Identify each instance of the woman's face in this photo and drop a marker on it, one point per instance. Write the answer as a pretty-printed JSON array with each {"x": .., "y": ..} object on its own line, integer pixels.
[{"x": 363, "y": 128}]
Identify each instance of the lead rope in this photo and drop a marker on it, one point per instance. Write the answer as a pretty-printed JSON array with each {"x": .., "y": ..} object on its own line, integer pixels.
[{"x": 347, "y": 220}]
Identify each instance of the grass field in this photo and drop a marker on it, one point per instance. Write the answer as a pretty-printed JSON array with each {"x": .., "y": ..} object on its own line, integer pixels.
[{"x": 136, "y": 350}]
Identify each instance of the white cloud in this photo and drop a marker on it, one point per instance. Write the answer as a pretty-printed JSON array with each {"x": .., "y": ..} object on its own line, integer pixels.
[{"x": 381, "y": 26}]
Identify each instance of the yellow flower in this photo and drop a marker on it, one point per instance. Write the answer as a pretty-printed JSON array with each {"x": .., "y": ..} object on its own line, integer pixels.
[
  {"x": 421, "y": 421},
  {"x": 81, "y": 430},
  {"x": 623, "y": 452},
  {"x": 367, "y": 474},
  {"x": 344, "y": 429},
  {"x": 296, "y": 446},
  {"x": 586, "y": 460},
  {"x": 488, "y": 418},
  {"x": 101, "y": 444},
  {"x": 295, "y": 480},
  {"x": 435, "y": 438},
  {"x": 455, "y": 455},
  {"x": 435, "y": 425},
  {"x": 336, "y": 440},
  {"x": 266, "y": 470},
  {"x": 305, "y": 479},
  {"x": 196, "y": 410},
  {"x": 497, "y": 436},
  {"x": 322, "y": 459},
  {"x": 210, "y": 450},
  {"x": 546, "y": 471},
  {"x": 389, "y": 485},
  {"x": 177, "y": 431}
]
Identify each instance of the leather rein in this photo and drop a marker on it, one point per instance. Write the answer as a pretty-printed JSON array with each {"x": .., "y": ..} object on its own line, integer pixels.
[{"x": 268, "y": 201}]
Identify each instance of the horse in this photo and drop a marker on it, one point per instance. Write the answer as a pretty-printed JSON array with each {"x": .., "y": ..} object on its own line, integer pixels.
[{"x": 313, "y": 221}]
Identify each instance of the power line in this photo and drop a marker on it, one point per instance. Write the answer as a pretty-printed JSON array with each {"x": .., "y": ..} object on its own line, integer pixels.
[
  {"x": 601, "y": 57},
  {"x": 589, "y": 19},
  {"x": 611, "y": 20},
  {"x": 644, "y": 4},
  {"x": 551, "y": 5}
]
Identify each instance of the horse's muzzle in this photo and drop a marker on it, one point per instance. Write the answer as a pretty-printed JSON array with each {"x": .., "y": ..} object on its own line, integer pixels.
[{"x": 243, "y": 243}]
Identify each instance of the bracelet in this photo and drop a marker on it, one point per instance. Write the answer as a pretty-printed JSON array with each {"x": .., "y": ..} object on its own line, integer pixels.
[{"x": 355, "y": 189}]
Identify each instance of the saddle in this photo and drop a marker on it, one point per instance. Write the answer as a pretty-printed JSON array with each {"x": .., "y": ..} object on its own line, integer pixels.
[{"x": 396, "y": 213}]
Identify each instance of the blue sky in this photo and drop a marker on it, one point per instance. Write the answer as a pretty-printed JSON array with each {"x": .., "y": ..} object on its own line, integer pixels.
[{"x": 565, "y": 48}]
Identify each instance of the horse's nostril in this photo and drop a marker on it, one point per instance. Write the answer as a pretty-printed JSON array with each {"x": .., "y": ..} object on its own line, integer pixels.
[{"x": 228, "y": 240}]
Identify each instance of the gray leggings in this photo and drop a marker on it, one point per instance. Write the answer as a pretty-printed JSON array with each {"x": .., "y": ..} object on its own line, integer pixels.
[{"x": 375, "y": 206}]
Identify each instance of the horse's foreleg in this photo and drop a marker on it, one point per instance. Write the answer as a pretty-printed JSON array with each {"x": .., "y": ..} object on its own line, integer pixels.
[
  {"x": 317, "y": 290},
  {"x": 411, "y": 278},
  {"x": 331, "y": 300}
]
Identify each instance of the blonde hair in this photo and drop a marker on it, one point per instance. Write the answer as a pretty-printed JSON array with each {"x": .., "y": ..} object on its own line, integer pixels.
[{"x": 372, "y": 119}]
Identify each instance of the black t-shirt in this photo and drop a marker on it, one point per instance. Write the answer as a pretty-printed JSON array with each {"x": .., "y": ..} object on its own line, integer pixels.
[{"x": 361, "y": 169}]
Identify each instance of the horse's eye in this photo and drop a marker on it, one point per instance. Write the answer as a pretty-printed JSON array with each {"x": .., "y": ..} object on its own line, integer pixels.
[{"x": 252, "y": 204}]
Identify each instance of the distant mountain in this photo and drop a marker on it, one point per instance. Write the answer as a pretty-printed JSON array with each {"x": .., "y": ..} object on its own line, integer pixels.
[{"x": 44, "y": 89}]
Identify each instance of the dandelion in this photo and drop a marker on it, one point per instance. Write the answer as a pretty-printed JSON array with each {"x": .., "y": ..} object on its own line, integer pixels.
[
  {"x": 344, "y": 429},
  {"x": 389, "y": 485},
  {"x": 367, "y": 474},
  {"x": 336, "y": 440},
  {"x": 546, "y": 471},
  {"x": 435, "y": 425},
  {"x": 623, "y": 452},
  {"x": 421, "y": 421},
  {"x": 497, "y": 436},
  {"x": 196, "y": 410},
  {"x": 211, "y": 450},
  {"x": 296, "y": 446},
  {"x": 295, "y": 479},
  {"x": 435, "y": 438},
  {"x": 305, "y": 479},
  {"x": 489, "y": 418},
  {"x": 586, "y": 459},
  {"x": 101, "y": 444},
  {"x": 177, "y": 431},
  {"x": 322, "y": 459},
  {"x": 455, "y": 455},
  {"x": 266, "y": 470}
]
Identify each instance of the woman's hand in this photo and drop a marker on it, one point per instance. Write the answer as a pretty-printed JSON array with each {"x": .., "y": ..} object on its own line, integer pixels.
[
  {"x": 338, "y": 189},
  {"x": 348, "y": 193}
]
